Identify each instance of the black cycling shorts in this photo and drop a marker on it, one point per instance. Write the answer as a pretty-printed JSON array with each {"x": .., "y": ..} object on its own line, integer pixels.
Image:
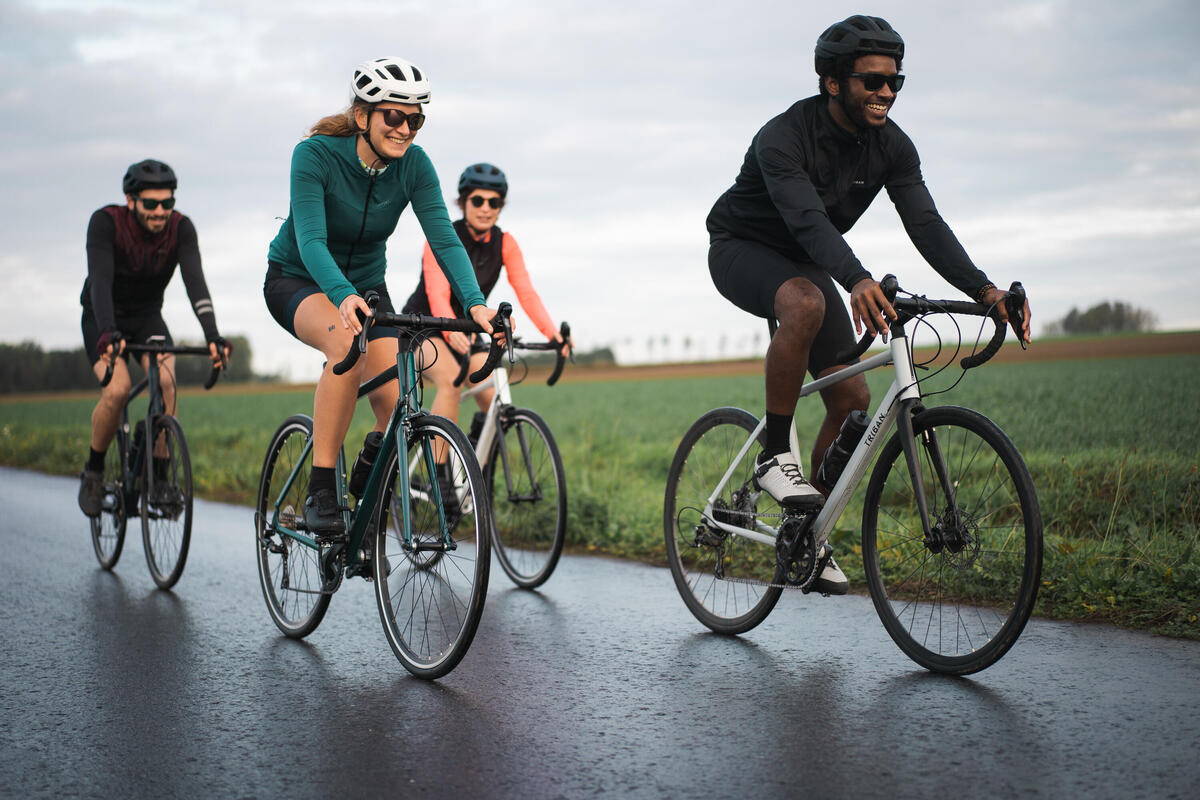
[
  {"x": 136, "y": 328},
  {"x": 749, "y": 274},
  {"x": 284, "y": 295}
]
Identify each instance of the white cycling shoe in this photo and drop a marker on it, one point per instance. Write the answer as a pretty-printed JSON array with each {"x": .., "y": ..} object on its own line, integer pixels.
[
  {"x": 831, "y": 580},
  {"x": 780, "y": 476}
]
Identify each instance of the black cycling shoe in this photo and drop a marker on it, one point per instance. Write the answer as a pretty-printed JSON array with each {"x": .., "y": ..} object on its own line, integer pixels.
[
  {"x": 167, "y": 498},
  {"x": 323, "y": 514},
  {"x": 91, "y": 492}
]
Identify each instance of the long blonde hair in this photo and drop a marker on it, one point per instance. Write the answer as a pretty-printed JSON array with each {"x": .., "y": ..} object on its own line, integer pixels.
[{"x": 342, "y": 124}]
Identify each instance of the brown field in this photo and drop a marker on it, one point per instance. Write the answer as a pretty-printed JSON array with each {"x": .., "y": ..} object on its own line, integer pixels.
[{"x": 1154, "y": 344}]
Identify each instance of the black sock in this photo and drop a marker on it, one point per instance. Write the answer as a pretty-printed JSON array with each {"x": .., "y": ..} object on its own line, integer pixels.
[
  {"x": 95, "y": 462},
  {"x": 321, "y": 478},
  {"x": 160, "y": 468},
  {"x": 779, "y": 430}
]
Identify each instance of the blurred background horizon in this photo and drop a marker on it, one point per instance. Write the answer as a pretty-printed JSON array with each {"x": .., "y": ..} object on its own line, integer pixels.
[{"x": 1058, "y": 138}]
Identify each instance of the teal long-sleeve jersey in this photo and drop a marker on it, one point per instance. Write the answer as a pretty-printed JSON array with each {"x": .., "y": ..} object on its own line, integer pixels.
[{"x": 321, "y": 239}]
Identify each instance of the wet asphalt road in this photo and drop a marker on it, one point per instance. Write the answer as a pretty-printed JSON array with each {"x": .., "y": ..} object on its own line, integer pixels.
[{"x": 601, "y": 684}]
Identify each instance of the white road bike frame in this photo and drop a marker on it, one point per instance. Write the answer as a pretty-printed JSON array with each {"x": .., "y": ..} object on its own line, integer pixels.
[
  {"x": 904, "y": 387},
  {"x": 487, "y": 435}
]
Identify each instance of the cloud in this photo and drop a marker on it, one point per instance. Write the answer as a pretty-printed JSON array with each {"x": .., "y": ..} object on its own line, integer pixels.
[{"x": 1057, "y": 136}]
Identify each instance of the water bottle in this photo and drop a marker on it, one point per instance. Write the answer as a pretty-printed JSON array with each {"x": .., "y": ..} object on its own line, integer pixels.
[
  {"x": 362, "y": 464},
  {"x": 839, "y": 451}
]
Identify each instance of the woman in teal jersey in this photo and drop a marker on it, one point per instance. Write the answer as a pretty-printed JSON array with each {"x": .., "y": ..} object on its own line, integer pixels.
[{"x": 350, "y": 180}]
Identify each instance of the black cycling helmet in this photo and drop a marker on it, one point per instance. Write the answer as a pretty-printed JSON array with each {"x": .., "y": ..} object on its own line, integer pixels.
[
  {"x": 483, "y": 176},
  {"x": 148, "y": 174},
  {"x": 857, "y": 36}
]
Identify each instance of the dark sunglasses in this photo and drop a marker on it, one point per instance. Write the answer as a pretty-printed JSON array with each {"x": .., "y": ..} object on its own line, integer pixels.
[
  {"x": 874, "y": 81},
  {"x": 150, "y": 203},
  {"x": 494, "y": 202},
  {"x": 394, "y": 118}
]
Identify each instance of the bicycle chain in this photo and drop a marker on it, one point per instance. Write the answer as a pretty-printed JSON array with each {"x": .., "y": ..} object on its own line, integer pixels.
[{"x": 805, "y": 587}]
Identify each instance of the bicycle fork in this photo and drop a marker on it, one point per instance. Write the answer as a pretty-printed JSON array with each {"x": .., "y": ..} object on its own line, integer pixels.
[
  {"x": 535, "y": 489},
  {"x": 946, "y": 534}
]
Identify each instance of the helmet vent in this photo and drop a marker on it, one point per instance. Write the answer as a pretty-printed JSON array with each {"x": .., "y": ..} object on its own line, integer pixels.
[
  {"x": 395, "y": 72},
  {"x": 416, "y": 73},
  {"x": 362, "y": 81}
]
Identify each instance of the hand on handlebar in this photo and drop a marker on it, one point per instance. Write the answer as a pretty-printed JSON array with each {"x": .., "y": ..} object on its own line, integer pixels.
[
  {"x": 568, "y": 345},
  {"x": 482, "y": 316},
  {"x": 870, "y": 307},
  {"x": 110, "y": 345},
  {"x": 995, "y": 297},
  {"x": 458, "y": 342},
  {"x": 347, "y": 311},
  {"x": 220, "y": 352}
]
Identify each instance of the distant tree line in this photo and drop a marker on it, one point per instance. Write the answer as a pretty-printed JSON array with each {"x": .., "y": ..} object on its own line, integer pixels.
[
  {"x": 602, "y": 356},
  {"x": 26, "y": 367},
  {"x": 1105, "y": 317}
]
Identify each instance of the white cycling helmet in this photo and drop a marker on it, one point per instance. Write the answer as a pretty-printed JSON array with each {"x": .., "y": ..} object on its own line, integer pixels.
[{"x": 390, "y": 80}]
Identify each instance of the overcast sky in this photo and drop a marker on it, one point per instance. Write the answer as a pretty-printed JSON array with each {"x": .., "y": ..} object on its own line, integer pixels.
[{"x": 1060, "y": 140}]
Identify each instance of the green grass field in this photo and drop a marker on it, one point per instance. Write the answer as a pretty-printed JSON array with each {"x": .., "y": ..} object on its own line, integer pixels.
[{"x": 1113, "y": 446}]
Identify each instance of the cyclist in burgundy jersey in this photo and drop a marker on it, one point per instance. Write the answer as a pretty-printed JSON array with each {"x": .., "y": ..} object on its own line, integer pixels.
[
  {"x": 482, "y": 193},
  {"x": 777, "y": 248},
  {"x": 132, "y": 252}
]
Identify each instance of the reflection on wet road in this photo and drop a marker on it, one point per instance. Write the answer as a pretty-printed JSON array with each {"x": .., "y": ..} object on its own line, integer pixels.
[{"x": 600, "y": 683}]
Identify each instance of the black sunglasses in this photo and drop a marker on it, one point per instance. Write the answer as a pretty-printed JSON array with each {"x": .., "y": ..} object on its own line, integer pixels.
[
  {"x": 874, "y": 81},
  {"x": 494, "y": 202},
  {"x": 150, "y": 203},
  {"x": 394, "y": 118}
]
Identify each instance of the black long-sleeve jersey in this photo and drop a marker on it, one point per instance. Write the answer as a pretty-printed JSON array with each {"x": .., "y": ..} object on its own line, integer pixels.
[
  {"x": 806, "y": 180},
  {"x": 129, "y": 268}
]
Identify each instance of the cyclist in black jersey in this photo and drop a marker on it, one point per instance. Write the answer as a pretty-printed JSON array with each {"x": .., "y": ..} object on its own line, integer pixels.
[
  {"x": 776, "y": 245},
  {"x": 132, "y": 252}
]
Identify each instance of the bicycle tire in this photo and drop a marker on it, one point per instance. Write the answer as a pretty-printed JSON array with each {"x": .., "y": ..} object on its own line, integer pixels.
[
  {"x": 430, "y": 611},
  {"x": 166, "y": 502},
  {"x": 108, "y": 529},
  {"x": 704, "y": 454},
  {"x": 289, "y": 572},
  {"x": 997, "y": 561},
  {"x": 528, "y": 487}
]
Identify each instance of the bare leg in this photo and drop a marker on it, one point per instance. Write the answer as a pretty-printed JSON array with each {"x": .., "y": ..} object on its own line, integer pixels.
[
  {"x": 840, "y": 399},
  {"x": 484, "y": 398},
  {"x": 800, "y": 308},
  {"x": 381, "y": 355},
  {"x": 107, "y": 414},
  {"x": 441, "y": 371},
  {"x": 318, "y": 325}
]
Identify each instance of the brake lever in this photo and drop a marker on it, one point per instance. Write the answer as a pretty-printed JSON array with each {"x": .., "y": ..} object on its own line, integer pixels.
[{"x": 1014, "y": 303}]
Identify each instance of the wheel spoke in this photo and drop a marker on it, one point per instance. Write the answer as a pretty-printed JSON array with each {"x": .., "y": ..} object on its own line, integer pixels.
[{"x": 982, "y": 562}]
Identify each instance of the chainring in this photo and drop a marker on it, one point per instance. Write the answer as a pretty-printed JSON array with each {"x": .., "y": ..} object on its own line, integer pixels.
[{"x": 796, "y": 551}]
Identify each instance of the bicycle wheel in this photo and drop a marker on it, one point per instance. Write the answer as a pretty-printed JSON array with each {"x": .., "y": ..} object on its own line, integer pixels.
[
  {"x": 288, "y": 572},
  {"x": 430, "y": 609},
  {"x": 723, "y": 578},
  {"x": 166, "y": 502},
  {"x": 529, "y": 498},
  {"x": 108, "y": 529},
  {"x": 957, "y": 603}
]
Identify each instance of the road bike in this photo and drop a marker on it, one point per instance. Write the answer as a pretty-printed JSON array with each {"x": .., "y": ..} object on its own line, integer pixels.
[
  {"x": 523, "y": 470},
  {"x": 428, "y": 555},
  {"x": 157, "y": 489},
  {"x": 951, "y": 527}
]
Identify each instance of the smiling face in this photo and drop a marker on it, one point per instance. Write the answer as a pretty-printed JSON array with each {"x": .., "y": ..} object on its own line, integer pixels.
[
  {"x": 390, "y": 142},
  {"x": 480, "y": 218},
  {"x": 852, "y": 105},
  {"x": 153, "y": 221}
]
